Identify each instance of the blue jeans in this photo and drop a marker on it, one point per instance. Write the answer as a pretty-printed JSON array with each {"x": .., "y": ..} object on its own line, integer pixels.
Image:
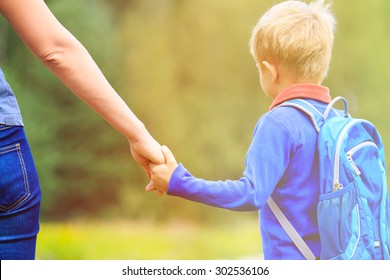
[{"x": 20, "y": 196}]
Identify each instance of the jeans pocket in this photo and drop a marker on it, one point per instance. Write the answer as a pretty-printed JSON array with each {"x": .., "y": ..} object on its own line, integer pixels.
[
  {"x": 14, "y": 186},
  {"x": 4, "y": 127}
]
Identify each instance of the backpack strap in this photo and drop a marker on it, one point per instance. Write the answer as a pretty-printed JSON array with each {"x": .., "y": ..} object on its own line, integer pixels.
[
  {"x": 316, "y": 116},
  {"x": 318, "y": 120},
  {"x": 331, "y": 104},
  {"x": 290, "y": 230}
]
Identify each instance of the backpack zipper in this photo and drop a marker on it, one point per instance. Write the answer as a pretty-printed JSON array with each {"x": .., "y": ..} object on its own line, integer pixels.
[
  {"x": 351, "y": 152},
  {"x": 336, "y": 171}
]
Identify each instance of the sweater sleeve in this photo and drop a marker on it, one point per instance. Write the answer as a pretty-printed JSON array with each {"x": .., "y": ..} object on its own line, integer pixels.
[{"x": 266, "y": 161}]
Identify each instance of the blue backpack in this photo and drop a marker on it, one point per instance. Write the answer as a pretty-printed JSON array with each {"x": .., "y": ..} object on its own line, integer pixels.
[{"x": 354, "y": 208}]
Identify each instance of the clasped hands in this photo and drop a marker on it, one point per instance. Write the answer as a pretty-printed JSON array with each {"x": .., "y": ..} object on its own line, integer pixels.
[
  {"x": 158, "y": 163},
  {"x": 160, "y": 174}
]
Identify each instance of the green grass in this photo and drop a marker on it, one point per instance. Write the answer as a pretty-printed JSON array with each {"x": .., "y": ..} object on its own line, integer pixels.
[{"x": 146, "y": 241}]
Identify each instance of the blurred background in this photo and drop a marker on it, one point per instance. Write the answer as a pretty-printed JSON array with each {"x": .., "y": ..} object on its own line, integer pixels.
[{"x": 184, "y": 68}]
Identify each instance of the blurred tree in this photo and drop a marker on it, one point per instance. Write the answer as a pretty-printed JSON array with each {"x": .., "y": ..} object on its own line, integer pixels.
[
  {"x": 360, "y": 69},
  {"x": 78, "y": 155}
]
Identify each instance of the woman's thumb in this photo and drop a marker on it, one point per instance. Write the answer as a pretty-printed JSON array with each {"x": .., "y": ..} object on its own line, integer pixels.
[{"x": 169, "y": 157}]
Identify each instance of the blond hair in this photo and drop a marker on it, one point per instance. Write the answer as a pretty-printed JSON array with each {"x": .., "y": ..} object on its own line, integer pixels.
[{"x": 297, "y": 35}]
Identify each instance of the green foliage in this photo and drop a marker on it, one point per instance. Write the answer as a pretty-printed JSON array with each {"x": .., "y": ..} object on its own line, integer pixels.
[{"x": 145, "y": 241}]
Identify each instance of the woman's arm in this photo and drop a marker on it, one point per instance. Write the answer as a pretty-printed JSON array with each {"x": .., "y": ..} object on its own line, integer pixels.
[{"x": 65, "y": 56}]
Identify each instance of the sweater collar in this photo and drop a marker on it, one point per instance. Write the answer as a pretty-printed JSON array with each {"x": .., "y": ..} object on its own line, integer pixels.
[{"x": 311, "y": 91}]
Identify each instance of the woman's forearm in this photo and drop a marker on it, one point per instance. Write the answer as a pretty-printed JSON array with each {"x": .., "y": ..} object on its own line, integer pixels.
[{"x": 72, "y": 64}]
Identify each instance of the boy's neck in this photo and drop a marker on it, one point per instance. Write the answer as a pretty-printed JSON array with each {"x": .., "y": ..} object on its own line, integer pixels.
[{"x": 302, "y": 90}]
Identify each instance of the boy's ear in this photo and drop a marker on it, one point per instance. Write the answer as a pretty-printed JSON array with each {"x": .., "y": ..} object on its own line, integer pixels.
[{"x": 271, "y": 69}]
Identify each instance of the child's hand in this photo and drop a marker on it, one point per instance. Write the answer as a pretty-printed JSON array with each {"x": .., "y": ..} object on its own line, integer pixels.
[{"x": 161, "y": 173}]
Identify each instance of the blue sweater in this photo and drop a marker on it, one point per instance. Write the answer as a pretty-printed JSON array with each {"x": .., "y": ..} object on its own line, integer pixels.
[{"x": 282, "y": 162}]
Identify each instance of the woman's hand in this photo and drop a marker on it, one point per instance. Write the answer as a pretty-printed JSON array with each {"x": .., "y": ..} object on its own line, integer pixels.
[{"x": 147, "y": 151}]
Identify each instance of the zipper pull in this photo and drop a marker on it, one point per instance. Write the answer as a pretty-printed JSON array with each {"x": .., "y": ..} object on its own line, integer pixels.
[
  {"x": 337, "y": 186},
  {"x": 355, "y": 168}
]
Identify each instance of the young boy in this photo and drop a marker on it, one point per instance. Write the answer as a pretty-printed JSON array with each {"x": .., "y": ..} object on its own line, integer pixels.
[{"x": 292, "y": 45}]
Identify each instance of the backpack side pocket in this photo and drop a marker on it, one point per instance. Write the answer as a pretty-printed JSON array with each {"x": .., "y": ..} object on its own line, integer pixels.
[{"x": 344, "y": 229}]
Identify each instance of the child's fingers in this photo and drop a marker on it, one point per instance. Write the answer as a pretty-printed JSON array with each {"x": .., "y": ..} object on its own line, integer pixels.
[
  {"x": 169, "y": 157},
  {"x": 150, "y": 187},
  {"x": 159, "y": 193}
]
